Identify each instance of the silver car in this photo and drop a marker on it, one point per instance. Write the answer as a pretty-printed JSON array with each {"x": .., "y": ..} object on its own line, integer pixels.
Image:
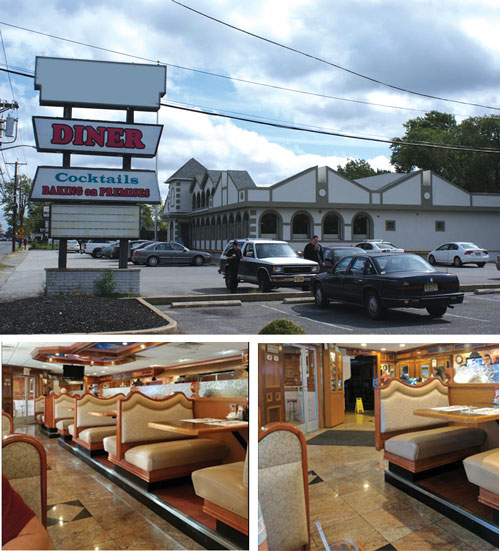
[{"x": 169, "y": 253}]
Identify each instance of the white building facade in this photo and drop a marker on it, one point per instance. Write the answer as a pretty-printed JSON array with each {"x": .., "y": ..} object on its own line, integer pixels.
[{"x": 418, "y": 211}]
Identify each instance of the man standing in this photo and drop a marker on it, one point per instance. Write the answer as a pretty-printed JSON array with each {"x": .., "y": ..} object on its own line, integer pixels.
[
  {"x": 313, "y": 251},
  {"x": 233, "y": 262}
]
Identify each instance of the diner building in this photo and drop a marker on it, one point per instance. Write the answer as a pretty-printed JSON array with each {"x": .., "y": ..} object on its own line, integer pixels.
[
  {"x": 127, "y": 445},
  {"x": 418, "y": 211},
  {"x": 388, "y": 446}
]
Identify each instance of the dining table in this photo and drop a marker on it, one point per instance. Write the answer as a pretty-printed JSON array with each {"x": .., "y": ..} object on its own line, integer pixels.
[
  {"x": 466, "y": 415},
  {"x": 201, "y": 427}
]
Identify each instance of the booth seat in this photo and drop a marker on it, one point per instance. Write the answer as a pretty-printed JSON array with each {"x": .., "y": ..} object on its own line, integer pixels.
[
  {"x": 7, "y": 424},
  {"x": 39, "y": 409},
  {"x": 224, "y": 489},
  {"x": 153, "y": 455},
  {"x": 482, "y": 470},
  {"x": 414, "y": 443},
  {"x": 58, "y": 408},
  {"x": 89, "y": 430}
]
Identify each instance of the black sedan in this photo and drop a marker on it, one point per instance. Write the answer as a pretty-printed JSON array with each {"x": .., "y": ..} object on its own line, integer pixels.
[{"x": 380, "y": 281}]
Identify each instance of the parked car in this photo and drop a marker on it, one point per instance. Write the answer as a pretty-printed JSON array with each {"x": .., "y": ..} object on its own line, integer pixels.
[
  {"x": 458, "y": 253},
  {"x": 380, "y": 281},
  {"x": 498, "y": 262},
  {"x": 169, "y": 253},
  {"x": 94, "y": 246},
  {"x": 379, "y": 246},
  {"x": 269, "y": 263},
  {"x": 332, "y": 254},
  {"x": 73, "y": 246},
  {"x": 111, "y": 250},
  {"x": 134, "y": 245}
]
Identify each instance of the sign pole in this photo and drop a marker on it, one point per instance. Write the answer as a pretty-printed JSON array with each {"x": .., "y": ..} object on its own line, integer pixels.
[
  {"x": 63, "y": 243},
  {"x": 126, "y": 165}
]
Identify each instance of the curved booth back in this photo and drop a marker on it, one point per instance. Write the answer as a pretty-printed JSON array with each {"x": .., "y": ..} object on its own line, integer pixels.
[
  {"x": 7, "y": 424},
  {"x": 24, "y": 464},
  {"x": 89, "y": 403},
  {"x": 283, "y": 487}
]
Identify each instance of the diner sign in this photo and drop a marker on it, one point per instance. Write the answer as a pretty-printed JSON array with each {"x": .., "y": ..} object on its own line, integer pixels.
[
  {"x": 95, "y": 184},
  {"x": 90, "y": 137}
]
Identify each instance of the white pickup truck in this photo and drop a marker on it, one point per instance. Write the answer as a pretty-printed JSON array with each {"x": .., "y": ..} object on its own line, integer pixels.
[{"x": 95, "y": 246}]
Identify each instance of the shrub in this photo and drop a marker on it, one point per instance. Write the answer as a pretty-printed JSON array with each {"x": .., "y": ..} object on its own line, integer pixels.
[
  {"x": 281, "y": 327},
  {"x": 105, "y": 286}
]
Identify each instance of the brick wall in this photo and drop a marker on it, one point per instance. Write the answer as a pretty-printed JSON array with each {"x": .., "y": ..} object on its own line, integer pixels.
[{"x": 82, "y": 280}]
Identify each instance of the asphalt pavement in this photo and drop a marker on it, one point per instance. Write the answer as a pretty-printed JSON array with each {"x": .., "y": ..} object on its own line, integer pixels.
[{"x": 22, "y": 274}]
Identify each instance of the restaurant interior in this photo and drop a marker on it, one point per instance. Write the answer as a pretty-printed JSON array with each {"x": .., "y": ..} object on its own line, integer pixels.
[
  {"x": 129, "y": 445},
  {"x": 388, "y": 446}
]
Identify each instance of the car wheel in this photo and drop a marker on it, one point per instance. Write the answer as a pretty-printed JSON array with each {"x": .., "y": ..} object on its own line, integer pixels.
[
  {"x": 374, "y": 305},
  {"x": 97, "y": 253},
  {"x": 481, "y": 264},
  {"x": 319, "y": 296},
  {"x": 198, "y": 260},
  {"x": 153, "y": 261},
  {"x": 436, "y": 311},
  {"x": 432, "y": 260},
  {"x": 457, "y": 262},
  {"x": 264, "y": 283}
]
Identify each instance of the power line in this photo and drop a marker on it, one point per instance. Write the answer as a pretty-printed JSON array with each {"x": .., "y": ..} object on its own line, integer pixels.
[
  {"x": 338, "y": 134},
  {"x": 218, "y": 75},
  {"x": 316, "y": 58}
]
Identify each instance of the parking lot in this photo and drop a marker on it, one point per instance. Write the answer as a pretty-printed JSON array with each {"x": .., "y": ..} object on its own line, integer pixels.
[{"x": 479, "y": 314}]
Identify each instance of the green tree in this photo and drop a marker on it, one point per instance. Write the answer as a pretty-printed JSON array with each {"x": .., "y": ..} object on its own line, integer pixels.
[
  {"x": 14, "y": 200},
  {"x": 358, "y": 168},
  {"x": 472, "y": 171}
]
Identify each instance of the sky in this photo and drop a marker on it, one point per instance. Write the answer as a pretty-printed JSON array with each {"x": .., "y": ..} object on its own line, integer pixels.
[{"x": 445, "y": 48}]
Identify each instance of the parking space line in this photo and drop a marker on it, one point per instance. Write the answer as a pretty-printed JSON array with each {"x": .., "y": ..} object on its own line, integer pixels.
[
  {"x": 302, "y": 317},
  {"x": 491, "y": 299},
  {"x": 467, "y": 317}
]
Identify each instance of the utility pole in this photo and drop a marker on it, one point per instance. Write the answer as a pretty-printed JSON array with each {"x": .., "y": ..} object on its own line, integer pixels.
[{"x": 15, "y": 209}]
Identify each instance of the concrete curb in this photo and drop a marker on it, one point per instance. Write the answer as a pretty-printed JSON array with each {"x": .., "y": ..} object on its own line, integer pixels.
[
  {"x": 243, "y": 297},
  {"x": 301, "y": 300},
  {"x": 203, "y": 303},
  {"x": 487, "y": 291},
  {"x": 472, "y": 287}
]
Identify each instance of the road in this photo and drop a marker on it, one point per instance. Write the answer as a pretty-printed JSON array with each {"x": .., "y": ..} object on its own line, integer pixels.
[{"x": 477, "y": 315}]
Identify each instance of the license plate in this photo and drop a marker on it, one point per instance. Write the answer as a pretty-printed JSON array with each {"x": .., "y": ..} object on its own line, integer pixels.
[
  {"x": 478, "y": 254},
  {"x": 429, "y": 287},
  {"x": 298, "y": 279}
]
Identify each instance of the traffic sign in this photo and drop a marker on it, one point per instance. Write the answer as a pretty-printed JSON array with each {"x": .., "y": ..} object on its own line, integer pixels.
[{"x": 20, "y": 232}]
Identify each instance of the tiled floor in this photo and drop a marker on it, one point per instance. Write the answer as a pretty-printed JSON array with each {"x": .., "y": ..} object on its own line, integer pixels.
[
  {"x": 349, "y": 497},
  {"x": 87, "y": 511}
]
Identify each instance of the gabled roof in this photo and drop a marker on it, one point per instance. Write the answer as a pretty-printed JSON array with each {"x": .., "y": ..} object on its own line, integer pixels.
[
  {"x": 376, "y": 183},
  {"x": 241, "y": 179},
  {"x": 190, "y": 170},
  {"x": 214, "y": 175}
]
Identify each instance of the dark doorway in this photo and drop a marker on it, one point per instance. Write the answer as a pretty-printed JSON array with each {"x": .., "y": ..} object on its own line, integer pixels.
[{"x": 360, "y": 385}]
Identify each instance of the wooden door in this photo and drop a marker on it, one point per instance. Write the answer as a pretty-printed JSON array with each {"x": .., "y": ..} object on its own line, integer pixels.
[
  {"x": 7, "y": 392},
  {"x": 333, "y": 390},
  {"x": 271, "y": 389}
]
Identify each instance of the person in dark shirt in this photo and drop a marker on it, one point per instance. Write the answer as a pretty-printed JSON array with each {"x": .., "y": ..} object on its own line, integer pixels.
[
  {"x": 20, "y": 527},
  {"x": 233, "y": 262},
  {"x": 313, "y": 251}
]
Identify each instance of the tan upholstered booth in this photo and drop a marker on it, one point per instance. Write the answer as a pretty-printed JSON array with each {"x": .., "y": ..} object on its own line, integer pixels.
[
  {"x": 152, "y": 454},
  {"x": 417, "y": 443},
  {"x": 24, "y": 464},
  {"x": 39, "y": 409},
  {"x": 283, "y": 487},
  {"x": 58, "y": 414},
  {"x": 482, "y": 470},
  {"x": 224, "y": 489},
  {"x": 88, "y": 430},
  {"x": 7, "y": 424}
]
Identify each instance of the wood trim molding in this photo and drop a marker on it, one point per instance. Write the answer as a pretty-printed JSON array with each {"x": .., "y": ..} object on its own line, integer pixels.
[
  {"x": 43, "y": 466},
  {"x": 92, "y": 446},
  {"x": 488, "y": 498},
  {"x": 227, "y": 517},
  {"x": 430, "y": 462},
  {"x": 419, "y": 385},
  {"x": 273, "y": 427}
]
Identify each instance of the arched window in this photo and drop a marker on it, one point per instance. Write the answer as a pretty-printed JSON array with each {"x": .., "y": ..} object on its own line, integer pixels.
[
  {"x": 332, "y": 226},
  {"x": 219, "y": 228},
  {"x": 362, "y": 227},
  {"x": 301, "y": 226},
  {"x": 237, "y": 228},
  {"x": 246, "y": 225},
  {"x": 225, "y": 236},
  {"x": 194, "y": 201},
  {"x": 212, "y": 229},
  {"x": 269, "y": 225},
  {"x": 198, "y": 200}
]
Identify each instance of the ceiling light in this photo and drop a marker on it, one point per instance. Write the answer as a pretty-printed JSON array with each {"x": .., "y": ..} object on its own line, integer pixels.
[
  {"x": 402, "y": 345},
  {"x": 124, "y": 343},
  {"x": 363, "y": 344},
  {"x": 383, "y": 349}
]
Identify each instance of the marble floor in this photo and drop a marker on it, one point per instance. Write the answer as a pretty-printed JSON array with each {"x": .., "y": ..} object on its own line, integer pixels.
[
  {"x": 87, "y": 511},
  {"x": 349, "y": 497}
]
